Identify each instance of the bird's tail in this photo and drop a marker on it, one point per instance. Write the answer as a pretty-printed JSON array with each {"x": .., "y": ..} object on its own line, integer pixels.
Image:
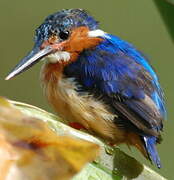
[{"x": 150, "y": 146}]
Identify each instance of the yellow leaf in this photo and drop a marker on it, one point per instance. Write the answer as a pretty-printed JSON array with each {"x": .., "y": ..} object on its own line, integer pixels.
[{"x": 29, "y": 149}]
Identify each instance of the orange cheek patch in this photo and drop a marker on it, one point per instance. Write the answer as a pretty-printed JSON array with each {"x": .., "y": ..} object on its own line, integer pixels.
[
  {"x": 77, "y": 42},
  {"x": 80, "y": 41}
]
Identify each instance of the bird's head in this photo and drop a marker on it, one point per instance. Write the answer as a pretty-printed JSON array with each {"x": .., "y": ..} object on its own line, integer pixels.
[{"x": 61, "y": 38}]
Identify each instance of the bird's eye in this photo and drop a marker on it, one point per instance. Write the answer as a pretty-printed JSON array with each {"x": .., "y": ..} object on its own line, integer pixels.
[{"x": 64, "y": 35}]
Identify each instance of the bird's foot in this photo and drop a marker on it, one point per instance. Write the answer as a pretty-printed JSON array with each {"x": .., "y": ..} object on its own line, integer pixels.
[{"x": 76, "y": 125}]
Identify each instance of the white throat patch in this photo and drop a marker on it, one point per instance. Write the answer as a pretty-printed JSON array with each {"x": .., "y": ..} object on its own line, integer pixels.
[{"x": 58, "y": 56}]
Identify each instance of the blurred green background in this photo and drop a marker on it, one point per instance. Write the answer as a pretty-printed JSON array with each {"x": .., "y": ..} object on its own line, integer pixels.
[{"x": 137, "y": 21}]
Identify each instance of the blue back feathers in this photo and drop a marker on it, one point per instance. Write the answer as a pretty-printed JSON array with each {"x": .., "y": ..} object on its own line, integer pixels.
[{"x": 120, "y": 74}]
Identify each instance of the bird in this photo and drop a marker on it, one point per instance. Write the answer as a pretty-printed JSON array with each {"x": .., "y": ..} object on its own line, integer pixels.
[{"x": 99, "y": 81}]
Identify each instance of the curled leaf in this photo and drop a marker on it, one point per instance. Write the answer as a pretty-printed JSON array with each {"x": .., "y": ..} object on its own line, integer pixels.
[{"x": 29, "y": 149}]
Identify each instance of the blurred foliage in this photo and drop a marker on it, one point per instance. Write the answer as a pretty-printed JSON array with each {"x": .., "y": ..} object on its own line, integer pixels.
[
  {"x": 29, "y": 149},
  {"x": 170, "y": 1},
  {"x": 167, "y": 12}
]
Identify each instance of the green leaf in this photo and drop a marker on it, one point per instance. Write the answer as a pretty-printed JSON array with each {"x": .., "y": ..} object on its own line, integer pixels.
[
  {"x": 112, "y": 164},
  {"x": 167, "y": 12}
]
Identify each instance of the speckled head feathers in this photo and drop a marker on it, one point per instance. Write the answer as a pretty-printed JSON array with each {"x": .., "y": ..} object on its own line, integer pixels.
[{"x": 65, "y": 20}]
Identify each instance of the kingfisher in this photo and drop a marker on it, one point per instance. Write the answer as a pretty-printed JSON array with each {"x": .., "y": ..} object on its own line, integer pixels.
[{"x": 99, "y": 81}]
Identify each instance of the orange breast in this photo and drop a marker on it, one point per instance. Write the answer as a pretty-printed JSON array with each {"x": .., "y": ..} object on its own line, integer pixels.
[{"x": 92, "y": 114}]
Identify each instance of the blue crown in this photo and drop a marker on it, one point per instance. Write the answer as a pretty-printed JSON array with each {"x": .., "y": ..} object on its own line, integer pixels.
[{"x": 64, "y": 20}]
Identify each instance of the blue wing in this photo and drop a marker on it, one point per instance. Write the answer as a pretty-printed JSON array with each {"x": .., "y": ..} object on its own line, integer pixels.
[
  {"x": 135, "y": 55},
  {"x": 119, "y": 74}
]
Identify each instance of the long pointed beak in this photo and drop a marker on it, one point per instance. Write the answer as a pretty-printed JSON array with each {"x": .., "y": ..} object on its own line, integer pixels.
[{"x": 28, "y": 61}]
